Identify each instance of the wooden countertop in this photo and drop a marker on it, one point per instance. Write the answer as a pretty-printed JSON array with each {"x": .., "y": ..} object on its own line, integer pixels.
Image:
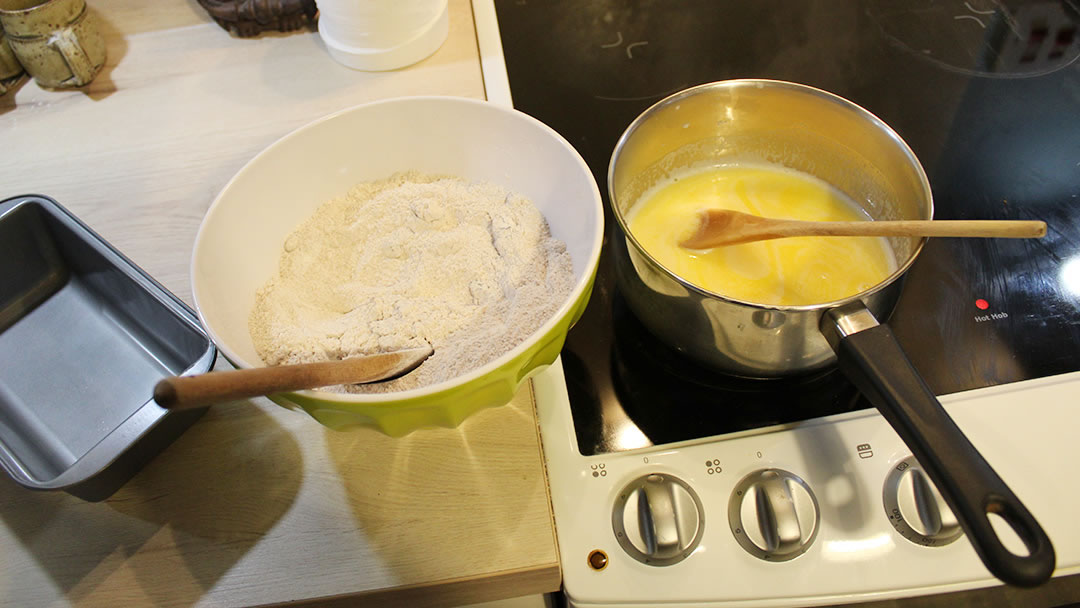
[{"x": 254, "y": 504}]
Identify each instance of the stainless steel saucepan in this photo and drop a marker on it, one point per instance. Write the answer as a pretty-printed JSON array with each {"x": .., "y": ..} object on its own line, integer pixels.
[{"x": 823, "y": 135}]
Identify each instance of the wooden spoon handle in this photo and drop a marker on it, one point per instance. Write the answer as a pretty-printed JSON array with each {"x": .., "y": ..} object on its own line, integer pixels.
[
  {"x": 1017, "y": 229},
  {"x": 719, "y": 227},
  {"x": 183, "y": 392}
]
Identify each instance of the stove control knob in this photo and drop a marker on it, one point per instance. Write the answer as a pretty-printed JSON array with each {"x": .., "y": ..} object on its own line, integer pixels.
[
  {"x": 658, "y": 519},
  {"x": 915, "y": 507},
  {"x": 773, "y": 515}
]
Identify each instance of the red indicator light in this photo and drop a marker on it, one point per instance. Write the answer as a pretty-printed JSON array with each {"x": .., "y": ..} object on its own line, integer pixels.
[{"x": 982, "y": 304}]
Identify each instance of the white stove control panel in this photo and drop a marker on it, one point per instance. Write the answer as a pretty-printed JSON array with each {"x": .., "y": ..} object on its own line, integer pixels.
[{"x": 827, "y": 511}]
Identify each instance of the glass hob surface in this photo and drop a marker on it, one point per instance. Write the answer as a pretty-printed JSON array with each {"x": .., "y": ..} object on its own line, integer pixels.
[{"x": 986, "y": 93}]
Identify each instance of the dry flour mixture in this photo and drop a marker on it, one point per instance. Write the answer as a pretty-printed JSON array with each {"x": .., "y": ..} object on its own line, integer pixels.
[{"x": 467, "y": 267}]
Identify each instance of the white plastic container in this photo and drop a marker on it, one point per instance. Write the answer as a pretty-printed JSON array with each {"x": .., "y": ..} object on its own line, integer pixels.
[{"x": 377, "y": 35}]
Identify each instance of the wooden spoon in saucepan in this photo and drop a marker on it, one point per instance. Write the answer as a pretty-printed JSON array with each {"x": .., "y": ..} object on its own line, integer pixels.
[
  {"x": 183, "y": 392},
  {"x": 721, "y": 227}
]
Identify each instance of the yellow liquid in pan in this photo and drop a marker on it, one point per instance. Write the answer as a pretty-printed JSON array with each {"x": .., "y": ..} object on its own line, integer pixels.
[{"x": 791, "y": 271}]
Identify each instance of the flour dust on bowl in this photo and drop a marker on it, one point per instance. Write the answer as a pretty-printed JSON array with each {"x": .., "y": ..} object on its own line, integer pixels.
[
  {"x": 746, "y": 125},
  {"x": 421, "y": 204}
]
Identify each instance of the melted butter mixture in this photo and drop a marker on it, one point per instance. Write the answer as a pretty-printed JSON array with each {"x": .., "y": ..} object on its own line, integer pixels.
[{"x": 791, "y": 271}]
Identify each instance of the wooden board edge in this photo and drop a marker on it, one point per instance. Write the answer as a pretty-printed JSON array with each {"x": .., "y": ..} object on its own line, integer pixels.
[{"x": 452, "y": 592}]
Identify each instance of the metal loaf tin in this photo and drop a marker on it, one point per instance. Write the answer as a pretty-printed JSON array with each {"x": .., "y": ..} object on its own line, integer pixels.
[{"x": 84, "y": 337}]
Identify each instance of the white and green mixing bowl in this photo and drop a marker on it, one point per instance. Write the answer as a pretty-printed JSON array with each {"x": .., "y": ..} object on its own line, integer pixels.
[{"x": 240, "y": 241}]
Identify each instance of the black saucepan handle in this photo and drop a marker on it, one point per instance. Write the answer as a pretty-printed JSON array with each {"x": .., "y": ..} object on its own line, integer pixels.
[{"x": 873, "y": 360}]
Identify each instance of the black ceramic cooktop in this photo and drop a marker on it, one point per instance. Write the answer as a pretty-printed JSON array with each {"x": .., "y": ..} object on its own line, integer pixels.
[{"x": 987, "y": 94}]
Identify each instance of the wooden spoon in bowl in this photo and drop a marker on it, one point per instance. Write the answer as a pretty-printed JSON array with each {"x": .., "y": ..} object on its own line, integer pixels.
[
  {"x": 183, "y": 392},
  {"x": 720, "y": 227}
]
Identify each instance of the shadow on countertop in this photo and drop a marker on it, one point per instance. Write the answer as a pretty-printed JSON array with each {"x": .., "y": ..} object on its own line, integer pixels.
[
  {"x": 183, "y": 503},
  {"x": 464, "y": 485}
]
